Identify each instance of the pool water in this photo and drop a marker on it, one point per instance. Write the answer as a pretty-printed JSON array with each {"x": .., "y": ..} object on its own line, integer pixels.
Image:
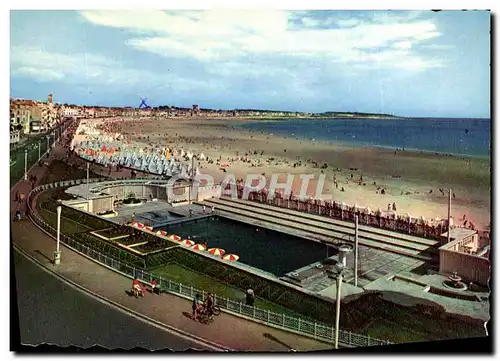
[{"x": 268, "y": 250}]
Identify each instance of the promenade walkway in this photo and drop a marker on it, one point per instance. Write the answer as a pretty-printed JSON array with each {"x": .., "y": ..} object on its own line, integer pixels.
[{"x": 229, "y": 331}]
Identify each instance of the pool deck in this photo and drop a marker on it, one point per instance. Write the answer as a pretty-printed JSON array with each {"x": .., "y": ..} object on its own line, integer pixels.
[{"x": 160, "y": 207}]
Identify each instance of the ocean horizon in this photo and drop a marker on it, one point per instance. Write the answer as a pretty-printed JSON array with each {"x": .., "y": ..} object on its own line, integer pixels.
[{"x": 456, "y": 136}]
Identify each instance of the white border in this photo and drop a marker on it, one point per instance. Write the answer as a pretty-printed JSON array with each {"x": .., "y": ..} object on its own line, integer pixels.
[{"x": 187, "y": 4}]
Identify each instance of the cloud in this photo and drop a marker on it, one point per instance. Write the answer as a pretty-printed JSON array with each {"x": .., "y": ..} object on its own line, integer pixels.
[
  {"x": 347, "y": 23},
  {"x": 234, "y": 35},
  {"x": 403, "y": 45},
  {"x": 310, "y": 22},
  {"x": 88, "y": 69},
  {"x": 437, "y": 46},
  {"x": 42, "y": 75},
  {"x": 39, "y": 63}
]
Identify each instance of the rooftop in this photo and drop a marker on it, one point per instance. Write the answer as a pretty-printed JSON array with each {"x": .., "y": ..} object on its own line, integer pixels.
[{"x": 459, "y": 233}]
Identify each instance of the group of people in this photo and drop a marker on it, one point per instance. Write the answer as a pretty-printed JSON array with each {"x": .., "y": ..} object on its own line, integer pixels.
[
  {"x": 139, "y": 289},
  {"x": 200, "y": 306}
]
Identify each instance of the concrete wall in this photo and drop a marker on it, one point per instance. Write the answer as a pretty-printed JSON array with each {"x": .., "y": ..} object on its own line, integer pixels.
[
  {"x": 146, "y": 191},
  {"x": 471, "y": 268},
  {"x": 80, "y": 205},
  {"x": 102, "y": 204},
  {"x": 181, "y": 194},
  {"x": 208, "y": 192}
]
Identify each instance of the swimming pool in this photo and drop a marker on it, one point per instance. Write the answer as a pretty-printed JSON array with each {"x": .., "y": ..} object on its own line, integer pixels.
[{"x": 268, "y": 250}]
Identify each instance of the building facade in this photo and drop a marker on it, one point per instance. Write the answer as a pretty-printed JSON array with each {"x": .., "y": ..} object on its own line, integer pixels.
[{"x": 20, "y": 115}]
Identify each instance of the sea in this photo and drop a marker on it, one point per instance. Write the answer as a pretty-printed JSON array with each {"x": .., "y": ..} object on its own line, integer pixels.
[{"x": 457, "y": 136}]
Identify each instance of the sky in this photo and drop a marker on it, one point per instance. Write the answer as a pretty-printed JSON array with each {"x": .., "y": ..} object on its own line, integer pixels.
[{"x": 408, "y": 63}]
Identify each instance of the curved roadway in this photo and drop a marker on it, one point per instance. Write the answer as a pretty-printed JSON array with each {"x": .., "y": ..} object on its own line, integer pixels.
[{"x": 51, "y": 311}]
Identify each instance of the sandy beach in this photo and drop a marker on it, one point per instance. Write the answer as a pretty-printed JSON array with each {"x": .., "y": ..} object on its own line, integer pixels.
[{"x": 411, "y": 180}]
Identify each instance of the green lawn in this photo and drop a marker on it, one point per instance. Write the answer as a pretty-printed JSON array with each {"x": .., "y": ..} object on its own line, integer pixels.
[
  {"x": 178, "y": 273},
  {"x": 68, "y": 225}
]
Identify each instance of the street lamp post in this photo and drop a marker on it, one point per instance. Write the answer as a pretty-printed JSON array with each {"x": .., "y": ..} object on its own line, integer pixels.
[
  {"x": 356, "y": 253},
  {"x": 57, "y": 253},
  {"x": 39, "y": 149},
  {"x": 48, "y": 140},
  {"x": 25, "y": 164},
  {"x": 340, "y": 269},
  {"x": 339, "y": 272},
  {"x": 449, "y": 214},
  {"x": 88, "y": 172}
]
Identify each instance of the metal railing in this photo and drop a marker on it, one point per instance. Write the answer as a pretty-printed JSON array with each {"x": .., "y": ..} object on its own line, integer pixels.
[{"x": 293, "y": 324}]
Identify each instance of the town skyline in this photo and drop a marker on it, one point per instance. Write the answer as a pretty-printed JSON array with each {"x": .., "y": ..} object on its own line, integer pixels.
[{"x": 406, "y": 63}]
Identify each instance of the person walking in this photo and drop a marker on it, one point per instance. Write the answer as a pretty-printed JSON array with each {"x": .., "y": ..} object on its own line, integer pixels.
[
  {"x": 210, "y": 304},
  {"x": 196, "y": 306},
  {"x": 250, "y": 297}
]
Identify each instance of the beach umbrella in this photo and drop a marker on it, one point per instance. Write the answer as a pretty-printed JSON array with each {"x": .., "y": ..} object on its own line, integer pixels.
[
  {"x": 139, "y": 225},
  {"x": 161, "y": 233},
  {"x": 216, "y": 251},
  {"x": 199, "y": 247},
  {"x": 149, "y": 228},
  {"x": 187, "y": 242},
  {"x": 174, "y": 237},
  {"x": 231, "y": 257}
]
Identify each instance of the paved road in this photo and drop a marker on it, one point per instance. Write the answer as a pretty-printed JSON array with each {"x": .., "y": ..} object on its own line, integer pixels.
[
  {"x": 51, "y": 311},
  {"x": 17, "y": 155}
]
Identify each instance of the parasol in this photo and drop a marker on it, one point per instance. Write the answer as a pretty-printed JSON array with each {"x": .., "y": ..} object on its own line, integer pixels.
[
  {"x": 216, "y": 251},
  {"x": 187, "y": 242},
  {"x": 199, "y": 247},
  {"x": 230, "y": 257}
]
